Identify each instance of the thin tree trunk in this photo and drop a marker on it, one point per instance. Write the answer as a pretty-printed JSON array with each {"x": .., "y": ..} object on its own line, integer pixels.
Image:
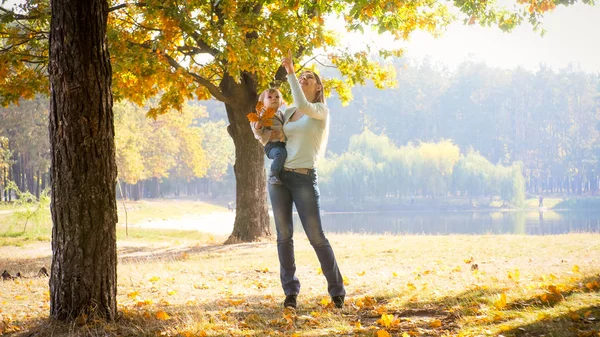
[{"x": 84, "y": 212}]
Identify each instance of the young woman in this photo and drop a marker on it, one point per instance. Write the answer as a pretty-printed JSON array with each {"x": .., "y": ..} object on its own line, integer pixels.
[{"x": 306, "y": 128}]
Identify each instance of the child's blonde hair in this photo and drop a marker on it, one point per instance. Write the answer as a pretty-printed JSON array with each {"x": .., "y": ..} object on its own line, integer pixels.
[{"x": 262, "y": 95}]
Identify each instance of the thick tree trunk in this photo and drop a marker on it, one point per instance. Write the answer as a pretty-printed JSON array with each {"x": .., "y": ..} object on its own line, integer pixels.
[
  {"x": 252, "y": 217},
  {"x": 84, "y": 210}
]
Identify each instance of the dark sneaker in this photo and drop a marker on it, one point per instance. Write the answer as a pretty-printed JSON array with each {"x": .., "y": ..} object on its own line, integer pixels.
[
  {"x": 338, "y": 301},
  {"x": 290, "y": 301},
  {"x": 274, "y": 180}
]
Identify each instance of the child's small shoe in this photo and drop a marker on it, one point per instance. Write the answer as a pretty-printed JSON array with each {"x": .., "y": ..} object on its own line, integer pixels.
[{"x": 274, "y": 180}]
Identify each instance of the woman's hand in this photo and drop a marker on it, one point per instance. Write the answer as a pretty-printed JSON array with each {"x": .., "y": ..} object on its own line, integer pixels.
[{"x": 288, "y": 64}]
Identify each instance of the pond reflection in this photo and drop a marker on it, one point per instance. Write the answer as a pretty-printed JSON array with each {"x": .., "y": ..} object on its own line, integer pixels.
[{"x": 463, "y": 222}]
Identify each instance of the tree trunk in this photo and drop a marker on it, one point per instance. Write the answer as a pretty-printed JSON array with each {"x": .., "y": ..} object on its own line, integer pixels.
[
  {"x": 84, "y": 211},
  {"x": 252, "y": 217}
]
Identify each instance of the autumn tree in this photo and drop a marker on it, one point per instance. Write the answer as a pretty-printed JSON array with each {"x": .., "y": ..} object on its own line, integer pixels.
[
  {"x": 230, "y": 50},
  {"x": 83, "y": 280}
]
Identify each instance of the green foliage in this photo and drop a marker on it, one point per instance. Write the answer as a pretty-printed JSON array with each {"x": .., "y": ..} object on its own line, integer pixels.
[
  {"x": 374, "y": 167},
  {"x": 219, "y": 149},
  {"x": 29, "y": 210}
]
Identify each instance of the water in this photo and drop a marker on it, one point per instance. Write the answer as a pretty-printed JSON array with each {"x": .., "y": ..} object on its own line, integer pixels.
[{"x": 463, "y": 222}]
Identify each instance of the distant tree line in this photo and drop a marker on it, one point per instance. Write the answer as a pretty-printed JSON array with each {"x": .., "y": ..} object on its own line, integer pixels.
[
  {"x": 176, "y": 154},
  {"x": 373, "y": 167},
  {"x": 548, "y": 120},
  {"x": 480, "y": 121}
]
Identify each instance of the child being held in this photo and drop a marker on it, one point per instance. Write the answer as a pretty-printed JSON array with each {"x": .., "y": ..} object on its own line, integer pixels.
[{"x": 272, "y": 136}]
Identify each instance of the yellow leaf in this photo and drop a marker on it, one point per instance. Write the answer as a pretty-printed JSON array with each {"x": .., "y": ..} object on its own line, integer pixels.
[
  {"x": 346, "y": 281},
  {"x": 514, "y": 275},
  {"x": 382, "y": 333},
  {"x": 436, "y": 324},
  {"x": 501, "y": 302},
  {"x": 576, "y": 269},
  {"x": 554, "y": 290},
  {"x": 171, "y": 292},
  {"x": 319, "y": 271},
  {"x": 394, "y": 274},
  {"x": 362, "y": 273},
  {"x": 163, "y": 316},
  {"x": 236, "y": 302},
  {"x": 411, "y": 286},
  {"x": 133, "y": 294},
  {"x": 154, "y": 279},
  {"x": 469, "y": 260},
  {"x": 405, "y": 334},
  {"x": 325, "y": 301},
  {"x": 386, "y": 320}
]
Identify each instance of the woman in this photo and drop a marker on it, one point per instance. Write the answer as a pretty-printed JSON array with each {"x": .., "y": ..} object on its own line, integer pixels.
[{"x": 306, "y": 127}]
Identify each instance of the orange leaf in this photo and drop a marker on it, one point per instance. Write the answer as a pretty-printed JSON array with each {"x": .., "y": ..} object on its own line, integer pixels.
[
  {"x": 382, "y": 333},
  {"x": 436, "y": 324},
  {"x": 163, "y": 316},
  {"x": 253, "y": 117}
]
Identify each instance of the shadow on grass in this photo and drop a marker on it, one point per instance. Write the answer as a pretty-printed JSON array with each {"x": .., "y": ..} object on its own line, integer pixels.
[
  {"x": 139, "y": 254},
  {"x": 584, "y": 322},
  {"x": 127, "y": 254},
  {"x": 263, "y": 316}
]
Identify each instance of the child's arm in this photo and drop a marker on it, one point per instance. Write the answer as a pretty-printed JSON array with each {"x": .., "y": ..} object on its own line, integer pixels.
[{"x": 260, "y": 132}]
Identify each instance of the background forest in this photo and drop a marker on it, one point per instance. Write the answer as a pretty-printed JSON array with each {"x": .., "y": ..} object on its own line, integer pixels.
[{"x": 474, "y": 131}]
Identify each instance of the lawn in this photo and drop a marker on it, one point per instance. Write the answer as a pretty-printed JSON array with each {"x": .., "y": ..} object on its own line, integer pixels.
[
  {"x": 418, "y": 285},
  {"x": 13, "y": 221}
]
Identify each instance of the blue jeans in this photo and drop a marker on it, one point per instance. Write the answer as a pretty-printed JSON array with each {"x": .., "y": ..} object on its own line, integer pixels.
[
  {"x": 301, "y": 190},
  {"x": 277, "y": 152}
]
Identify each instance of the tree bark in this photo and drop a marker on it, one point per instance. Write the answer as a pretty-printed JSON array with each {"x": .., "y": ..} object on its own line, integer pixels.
[
  {"x": 252, "y": 217},
  {"x": 83, "y": 175}
]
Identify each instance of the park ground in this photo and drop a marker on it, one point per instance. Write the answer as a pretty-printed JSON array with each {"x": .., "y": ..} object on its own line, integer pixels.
[{"x": 186, "y": 283}]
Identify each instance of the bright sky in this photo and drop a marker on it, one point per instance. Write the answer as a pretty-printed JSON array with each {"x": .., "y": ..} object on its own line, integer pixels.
[{"x": 572, "y": 37}]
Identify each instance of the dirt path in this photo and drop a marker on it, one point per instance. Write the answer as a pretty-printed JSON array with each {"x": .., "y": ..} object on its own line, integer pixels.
[{"x": 215, "y": 223}]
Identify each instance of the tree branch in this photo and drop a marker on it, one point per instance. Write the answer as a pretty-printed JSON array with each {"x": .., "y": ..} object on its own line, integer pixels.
[
  {"x": 117, "y": 7},
  {"x": 201, "y": 44},
  {"x": 213, "y": 89},
  {"x": 15, "y": 15}
]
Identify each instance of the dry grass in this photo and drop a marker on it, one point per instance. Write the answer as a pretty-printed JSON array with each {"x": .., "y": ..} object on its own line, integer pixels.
[{"x": 427, "y": 284}]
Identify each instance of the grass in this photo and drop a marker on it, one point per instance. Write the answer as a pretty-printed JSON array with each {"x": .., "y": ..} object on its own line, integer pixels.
[
  {"x": 12, "y": 234},
  {"x": 454, "y": 285}
]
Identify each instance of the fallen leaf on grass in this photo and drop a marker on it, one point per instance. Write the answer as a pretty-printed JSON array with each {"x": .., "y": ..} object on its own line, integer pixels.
[
  {"x": 163, "y": 316},
  {"x": 133, "y": 295},
  {"x": 436, "y": 324},
  {"x": 383, "y": 333},
  {"x": 387, "y": 320},
  {"x": 501, "y": 302}
]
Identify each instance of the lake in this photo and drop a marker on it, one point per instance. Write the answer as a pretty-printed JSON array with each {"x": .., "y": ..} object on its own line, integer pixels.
[{"x": 461, "y": 222}]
